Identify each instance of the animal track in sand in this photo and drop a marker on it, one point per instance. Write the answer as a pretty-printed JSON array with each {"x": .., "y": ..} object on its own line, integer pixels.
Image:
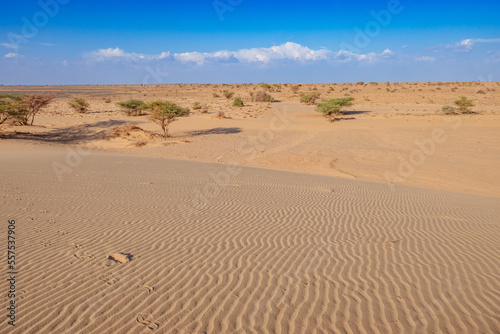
[
  {"x": 108, "y": 278},
  {"x": 120, "y": 257},
  {"x": 146, "y": 319},
  {"x": 83, "y": 256},
  {"x": 150, "y": 289}
]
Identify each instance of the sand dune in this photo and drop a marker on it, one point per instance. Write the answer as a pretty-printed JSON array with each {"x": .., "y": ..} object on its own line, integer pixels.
[{"x": 127, "y": 244}]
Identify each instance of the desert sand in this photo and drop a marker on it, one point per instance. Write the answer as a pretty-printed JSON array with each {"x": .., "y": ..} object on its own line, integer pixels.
[{"x": 269, "y": 220}]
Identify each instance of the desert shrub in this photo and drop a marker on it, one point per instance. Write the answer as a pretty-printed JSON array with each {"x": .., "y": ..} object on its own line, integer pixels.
[
  {"x": 164, "y": 113},
  {"x": 215, "y": 95},
  {"x": 79, "y": 105},
  {"x": 449, "y": 110},
  {"x": 228, "y": 94},
  {"x": 265, "y": 86},
  {"x": 237, "y": 102},
  {"x": 333, "y": 107},
  {"x": 309, "y": 99},
  {"x": 196, "y": 106},
  {"x": 23, "y": 107},
  {"x": 262, "y": 96},
  {"x": 132, "y": 107},
  {"x": 106, "y": 99},
  {"x": 295, "y": 88},
  {"x": 11, "y": 107},
  {"x": 464, "y": 105},
  {"x": 221, "y": 114}
]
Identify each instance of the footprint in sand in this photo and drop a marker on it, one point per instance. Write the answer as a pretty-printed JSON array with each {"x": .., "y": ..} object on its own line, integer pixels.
[
  {"x": 108, "y": 278},
  {"x": 83, "y": 256},
  {"x": 45, "y": 243},
  {"x": 150, "y": 289},
  {"x": 146, "y": 319}
]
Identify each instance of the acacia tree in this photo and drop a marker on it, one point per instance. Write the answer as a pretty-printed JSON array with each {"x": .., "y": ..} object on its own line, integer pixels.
[
  {"x": 164, "y": 113},
  {"x": 33, "y": 103},
  {"x": 132, "y": 107},
  {"x": 333, "y": 107}
]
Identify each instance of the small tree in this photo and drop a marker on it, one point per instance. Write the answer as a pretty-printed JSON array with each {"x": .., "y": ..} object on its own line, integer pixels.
[
  {"x": 333, "y": 108},
  {"x": 132, "y": 107},
  {"x": 79, "y": 105},
  {"x": 464, "y": 105},
  {"x": 164, "y": 113},
  {"x": 237, "y": 102},
  {"x": 309, "y": 99},
  {"x": 33, "y": 103}
]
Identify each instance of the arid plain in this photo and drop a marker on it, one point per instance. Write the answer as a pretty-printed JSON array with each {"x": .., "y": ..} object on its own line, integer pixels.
[{"x": 262, "y": 219}]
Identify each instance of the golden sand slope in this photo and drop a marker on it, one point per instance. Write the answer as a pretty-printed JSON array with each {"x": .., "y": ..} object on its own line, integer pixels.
[{"x": 146, "y": 245}]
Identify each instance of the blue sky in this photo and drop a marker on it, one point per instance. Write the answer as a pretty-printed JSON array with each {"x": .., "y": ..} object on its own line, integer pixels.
[{"x": 160, "y": 42}]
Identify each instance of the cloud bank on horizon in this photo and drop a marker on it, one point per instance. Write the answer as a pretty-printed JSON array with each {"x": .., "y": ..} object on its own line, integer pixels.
[{"x": 288, "y": 51}]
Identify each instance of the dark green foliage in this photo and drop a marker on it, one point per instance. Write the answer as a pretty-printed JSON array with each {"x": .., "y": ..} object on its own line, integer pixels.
[
  {"x": 333, "y": 107},
  {"x": 237, "y": 102},
  {"x": 132, "y": 107}
]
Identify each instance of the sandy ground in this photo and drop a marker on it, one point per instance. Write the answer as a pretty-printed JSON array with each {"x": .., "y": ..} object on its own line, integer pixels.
[{"x": 385, "y": 221}]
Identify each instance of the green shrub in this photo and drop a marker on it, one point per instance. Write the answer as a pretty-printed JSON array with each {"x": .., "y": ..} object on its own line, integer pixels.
[
  {"x": 164, "y": 113},
  {"x": 132, "y": 107},
  {"x": 262, "y": 96},
  {"x": 309, "y": 99},
  {"x": 464, "y": 105},
  {"x": 11, "y": 107},
  {"x": 449, "y": 110},
  {"x": 196, "y": 106},
  {"x": 237, "y": 102},
  {"x": 228, "y": 94},
  {"x": 265, "y": 86},
  {"x": 333, "y": 108},
  {"x": 79, "y": 105}
]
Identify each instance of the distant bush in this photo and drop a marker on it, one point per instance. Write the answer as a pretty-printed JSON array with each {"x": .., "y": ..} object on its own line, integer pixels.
[
  {"x": 265, "y": 86},
  {"x": 464, "y": 105},
  {"x": 106, "y": 99},
  {"x": 449, "y": 110},
  {"x": 164, "y": 113},
  {"x": 237, "y": 102},
  {"x": 215, "y": 95},
  {"x": 79, "y": 105},
  {"x": 262, "y": 96},
  {"x": 295, "y": 88},
  {"x": 309, "y": 99},
  {"x": 196, "y": 106},
  {"x": 228, "y": 94},
  {"x": 333, "y": 108},
  {"x": 132, "y": 107}
]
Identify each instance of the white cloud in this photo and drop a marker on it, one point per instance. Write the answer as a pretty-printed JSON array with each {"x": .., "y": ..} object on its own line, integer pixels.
[
  {"x": 12, "y": 55},
  {"x": 348, "y": 56},
  {"x": 285, "y": 52},
  {"x": 425, "y": 58},
  {"x": 465, "y": 45},
  {"x": 9, "y": 46}
]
